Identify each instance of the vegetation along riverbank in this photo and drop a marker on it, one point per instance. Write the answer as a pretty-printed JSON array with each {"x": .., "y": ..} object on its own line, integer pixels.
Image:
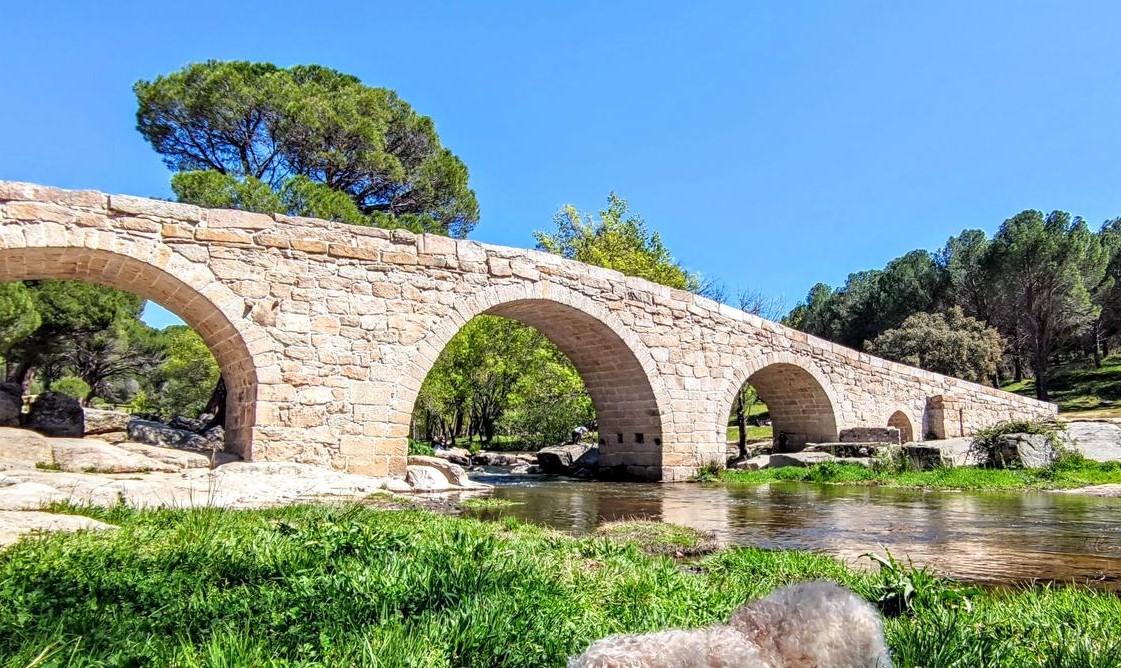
[{"x": 326, "y": 586}]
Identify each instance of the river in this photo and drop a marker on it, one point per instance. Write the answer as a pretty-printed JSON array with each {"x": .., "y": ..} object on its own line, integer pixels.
[{"x": 981, "y": 537}]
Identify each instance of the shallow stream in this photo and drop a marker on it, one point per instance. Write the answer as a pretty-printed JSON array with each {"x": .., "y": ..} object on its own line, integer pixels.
[{"x": 984, "y": 537}]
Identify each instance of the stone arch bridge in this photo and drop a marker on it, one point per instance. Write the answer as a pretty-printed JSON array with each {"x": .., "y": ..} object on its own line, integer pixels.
[{"x": 324, "y": 333}]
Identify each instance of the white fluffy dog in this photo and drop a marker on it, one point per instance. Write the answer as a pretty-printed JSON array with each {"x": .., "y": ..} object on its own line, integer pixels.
[{"x": 807, "y": 625}]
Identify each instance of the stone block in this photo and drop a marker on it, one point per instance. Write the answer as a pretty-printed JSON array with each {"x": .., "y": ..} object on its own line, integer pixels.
[
  {"x": 870, "y": 435},
  {"x": 246, "y": 220}
]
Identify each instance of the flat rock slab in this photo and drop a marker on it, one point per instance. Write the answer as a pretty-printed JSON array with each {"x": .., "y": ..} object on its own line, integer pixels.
[
  {"x": 16, "y": 524},
  {"x": 802, "y": 459},
  {"x": 90, "y": 454},
  {"x": 21, "y": 448},
  {"x": 178, "y": 459},
  {"x": 29, "y": 496},
  {"x": 1100, "y": 441},
  {"x": 103, "y": 422}
]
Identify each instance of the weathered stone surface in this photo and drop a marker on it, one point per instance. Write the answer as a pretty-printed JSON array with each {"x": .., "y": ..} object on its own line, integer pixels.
[
  {"x": 427, "y": 479},
  {"x": 29, "y": 496},
  {"x": 113, "y": 437},
  {"x": 751, "y": 464},
  {"x": 454, "y": 473},
  {"x": 324, "y": 352},
  {"x": 460, "y": 456},
  {"x": 178, "y": 459},
  {"x": 486, "y": 458},
  {"x": 526, "y": 469},
  {"x": 157, "y": 433},
  {"x": 1100, "y": 441},
  {"x": 56, "y": 414},
  {"x": 24, "y": 449},
  {"x": 1026, "y": 450},
  {"x": 803, "y": 459},
  {"x": 870, "y": 435},
  {"x": 856, "y": 449},
  {"x": 11, "y": 404},
  {"x": 89, "y": 454},
  {"x": 103, "y": 422},
  {"x": 13, "y": 525},
  {"x": 569, "y": 458}
]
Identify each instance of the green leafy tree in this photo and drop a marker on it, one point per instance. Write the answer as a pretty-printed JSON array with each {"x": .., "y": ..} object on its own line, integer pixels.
[
  {"x": 265, "y": 138},
  {"x": 19, "y": 317},
  {"x": 615, "y": 240},
  {"x": 182, "y": 383},
  {"x": 949, "y": 343}
]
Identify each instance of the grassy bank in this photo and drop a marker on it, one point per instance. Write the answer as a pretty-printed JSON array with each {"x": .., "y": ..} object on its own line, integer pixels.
[
  {"x": 1080, "y": 389},
  {"x": 1067, "y": 474},
  {"x": 321, "y": 586}
]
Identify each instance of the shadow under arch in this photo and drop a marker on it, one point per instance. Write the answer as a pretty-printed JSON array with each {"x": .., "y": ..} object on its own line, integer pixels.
[
  {"x": 123, "y": 269},
  {"x": 616, "y": 367},
  {"x": 900, "y": 421},
  {"x": 801, "y": 401}
]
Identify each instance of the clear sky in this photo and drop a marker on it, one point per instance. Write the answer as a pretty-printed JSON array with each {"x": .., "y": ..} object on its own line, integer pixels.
[{"x": 773, "y": 144}]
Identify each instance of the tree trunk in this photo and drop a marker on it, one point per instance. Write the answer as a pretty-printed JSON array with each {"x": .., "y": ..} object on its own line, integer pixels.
[
  {"x": 20, "y": 373},
  {"x": 1096, "y": 335},
  {"x": 1017, "y": 369},
  {"x": 217, "y": 406}
]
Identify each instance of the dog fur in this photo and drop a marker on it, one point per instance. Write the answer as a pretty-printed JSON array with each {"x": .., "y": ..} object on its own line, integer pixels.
[{"x": 808, "y": 625}]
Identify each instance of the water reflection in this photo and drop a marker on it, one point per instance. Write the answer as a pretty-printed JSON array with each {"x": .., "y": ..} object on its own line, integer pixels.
[{"x": 973, "y": 536}]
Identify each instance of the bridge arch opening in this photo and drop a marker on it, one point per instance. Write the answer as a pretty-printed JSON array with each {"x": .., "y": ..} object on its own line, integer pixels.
[
  {"x": 900, "y": 421},
  {"x": 624, "y": 416},
  {"x": 798, "y": 408},
  {"x": 200, "y": 313}
]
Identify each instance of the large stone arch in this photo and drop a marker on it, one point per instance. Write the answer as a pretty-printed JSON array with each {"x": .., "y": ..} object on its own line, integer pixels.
[
  {"x": 802, "y": 402},
  {"x": 616, "y": 367},
  {"x": 153, "y": 271}
]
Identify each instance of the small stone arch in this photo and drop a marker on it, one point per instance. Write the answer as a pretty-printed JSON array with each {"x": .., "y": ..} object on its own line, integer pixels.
[
  {"x": 155, "y": 272},
  {"x": 801, "y": 401},
  {"x": 616, "y": 367},
  {"x": 900, "y": 421}
]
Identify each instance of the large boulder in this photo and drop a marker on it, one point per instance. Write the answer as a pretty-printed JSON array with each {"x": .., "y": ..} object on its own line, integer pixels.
[
  {"x": 1100, "y": 441},
  {"x": 926, "y": 456},
  {"x": 11, "y": 404},
  {"x": 20, "y": 448},
  {"x": 569, "y": 458},
  {"x": 487, "y": 458},
  {"x": 870, "y": 435},
  {"x": 158, "y": 433},
  {"x": 460, "y": 456},
  {"x": 453, "y": 472},
  {"x": 803, "y": 459},
  {"x": 426, "y": 479},
  {"x": 56, "y": 414},
  {"x": 104, "y": 422},
  {"x": 1030, "y": 451},
  {"x": 180, "y": 459}
]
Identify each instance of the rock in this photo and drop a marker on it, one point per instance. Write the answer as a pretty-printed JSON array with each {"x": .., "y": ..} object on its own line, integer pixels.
[
  {"x": 56, "y": 414},
  {"x": 870, "y": 435},
  {"x": 186, "y": 424},
  {"x": 397, "y": 485},
  {"x": 89, "y": 454},
  {"x": 926, "y": 456},
  {"x": 460, "y": 456},
  {"x": 486, "y": 458},
  {"x": 803, "y": 459},
  {"x": 114, "y": 437},
  {"x": 11, "y": 404},
  {"x": 14, "y": 524},
  {"x": 180, "y": 459},
  {"x": 29, "y": 496},
  {"x": 526, "y": 469},
  {"x": 157, "y": 433},
  {"x": 1100, "y": 441},
  {"x": 567, "y": 459},
  {"x": 751, "y": 464},
  {"x": 853, "y": 449},
  {"x": 103, "y": 422},
  {"x": 21, "y": 448},
  {"x": 957, "y": 451},
  {"x": 1027, "y": 450},
  {"x": 452, "y": 472},
  {"x": 426, "y": 479}
]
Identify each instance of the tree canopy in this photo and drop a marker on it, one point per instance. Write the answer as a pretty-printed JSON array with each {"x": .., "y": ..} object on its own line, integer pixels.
[
  {"x": 949, "y": 343},
  {"x": 290, "y": 140}
]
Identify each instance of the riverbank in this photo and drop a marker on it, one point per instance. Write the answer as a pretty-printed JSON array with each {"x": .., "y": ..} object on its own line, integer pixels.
[
  {"x": 323, "y": 585},
  {"x": 1066, "y": 474}
]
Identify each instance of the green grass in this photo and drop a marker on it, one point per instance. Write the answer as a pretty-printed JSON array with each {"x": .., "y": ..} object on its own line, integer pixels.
[
  {"x": 661, "y": 537},
  {"x": 1066, "y": 474},
  {"x": 1078, "y": 387},
  {"x": 350, "y": 586},
  {"x": 488, "y": 503},
  {"x": 753, "y": 434}
]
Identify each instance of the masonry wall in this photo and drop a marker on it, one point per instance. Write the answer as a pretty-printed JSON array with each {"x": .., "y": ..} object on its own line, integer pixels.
[{"x": 327, "y": 331}]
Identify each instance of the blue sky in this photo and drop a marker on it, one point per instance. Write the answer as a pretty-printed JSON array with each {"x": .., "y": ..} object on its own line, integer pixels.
[{"x": 773, "y": 144}]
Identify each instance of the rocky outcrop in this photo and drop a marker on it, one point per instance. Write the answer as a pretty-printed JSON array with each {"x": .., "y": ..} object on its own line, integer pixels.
[
  {"x": 15, "y": 524},
  {"x": 453, "y": 473},
  {"x": 458, "y": 456},
  {"x": 104, "y": 422},
  {"x": 158, "y": 433},
  {"x": 11, "y": 404},
  {"x": 926, "y": 456},
  {"x": 91, "y": 455},
  {"x": 486, "y": 458},
  {"x": 870, "y": 435},
  {"x": 21, "y": 448},
  {"x": 569, "y": 459},
  {"x": 56, "y": 414},
  {"x": 803, "y": 459},
  {"x": 427, "y": 479},
  {"x": 1099, "y": 441},
  {"x": 1023, "y": 450}
]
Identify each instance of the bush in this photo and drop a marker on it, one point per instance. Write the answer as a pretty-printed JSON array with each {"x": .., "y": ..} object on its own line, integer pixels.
[
  {"x": 71, "y": 386},
  {"x": 986, "y": 442},
  {"x": 420, "y": 448}
]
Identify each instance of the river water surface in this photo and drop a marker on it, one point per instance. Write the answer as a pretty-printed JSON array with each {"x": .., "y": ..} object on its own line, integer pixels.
[{"x": 983, "y": 537}]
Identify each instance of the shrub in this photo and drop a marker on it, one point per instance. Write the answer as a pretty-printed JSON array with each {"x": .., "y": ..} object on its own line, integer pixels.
[
  {"x": 420, "y": 448},
  {"x": 71, "y": 386}
]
